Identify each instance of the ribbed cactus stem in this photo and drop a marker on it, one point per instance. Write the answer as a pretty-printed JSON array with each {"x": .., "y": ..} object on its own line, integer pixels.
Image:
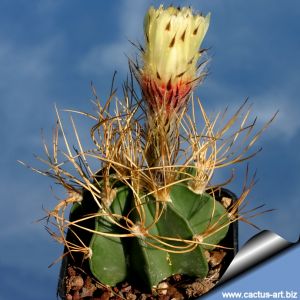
[{"x": 168, "y": 237}]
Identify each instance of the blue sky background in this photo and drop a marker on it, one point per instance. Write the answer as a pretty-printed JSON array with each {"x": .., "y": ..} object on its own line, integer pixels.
[{"x": 50, "y": 50}]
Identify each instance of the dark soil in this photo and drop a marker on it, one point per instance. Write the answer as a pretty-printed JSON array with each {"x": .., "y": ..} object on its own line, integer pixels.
[{"x": 79, "y": 286}]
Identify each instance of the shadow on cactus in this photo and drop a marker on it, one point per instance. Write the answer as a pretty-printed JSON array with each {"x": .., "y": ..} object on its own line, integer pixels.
[{"x": 141, "y": 205}]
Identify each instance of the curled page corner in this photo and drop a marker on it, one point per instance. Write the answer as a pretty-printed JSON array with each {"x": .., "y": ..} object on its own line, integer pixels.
[{"x": 258, "y": 249}]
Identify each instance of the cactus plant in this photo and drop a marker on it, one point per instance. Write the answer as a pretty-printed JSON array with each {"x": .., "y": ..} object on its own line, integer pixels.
[
  {"x": 143, "y": 203},
  {"x": 188, "y": 216}
]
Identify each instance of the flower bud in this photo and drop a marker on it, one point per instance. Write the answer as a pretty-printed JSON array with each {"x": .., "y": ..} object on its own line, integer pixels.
[{"x": 173, "y": 38}]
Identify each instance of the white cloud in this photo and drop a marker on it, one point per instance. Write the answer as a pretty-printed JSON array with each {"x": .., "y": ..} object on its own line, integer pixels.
[
  {"x": 287, "y": 122},
  {"x": 105, "y": 58},
  {"x": 47, "y": 6},
  {"x": 131, "y": 19},
  {"x": 102, "y": 59},
  {"x": 24, "y": 79},
  {"x": 24, "y": 71},
  {"x": 265, "y": 104}
]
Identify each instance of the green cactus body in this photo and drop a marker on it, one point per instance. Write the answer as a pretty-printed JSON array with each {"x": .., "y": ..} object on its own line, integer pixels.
[
  {"x": 140, "y": 258},
  {"x": 108, "y": 262}
]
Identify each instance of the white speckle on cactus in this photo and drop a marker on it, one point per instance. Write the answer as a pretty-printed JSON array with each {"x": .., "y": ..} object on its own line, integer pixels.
[
  {"x": 198, "y": 238},
  {"x": 89, "y": 254},
  {"x": 139, "y": 231}
]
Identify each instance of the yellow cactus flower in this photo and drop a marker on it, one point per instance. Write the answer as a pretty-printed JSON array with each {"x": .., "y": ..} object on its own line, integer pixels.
[{"x": 173, "y": 38}]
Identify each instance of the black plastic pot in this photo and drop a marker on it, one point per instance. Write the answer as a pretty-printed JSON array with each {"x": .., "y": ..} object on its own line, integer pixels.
[{"x": 230, "y": 241}]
